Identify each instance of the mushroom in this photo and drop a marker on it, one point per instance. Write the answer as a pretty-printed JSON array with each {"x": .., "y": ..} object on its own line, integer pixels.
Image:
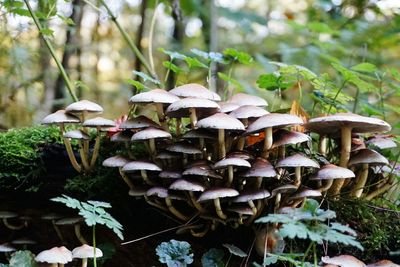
[
  {"x": 365, "y": 158},
  {"x": 151, "y": 134},
  {"x": 226, "y": 107},
  {"x": 185, "y": 149},
  {"x": 221, "y": 122},
  {"x": 82, "y": 137},
  {"x": 329, "y": 173},
  {"x": 55, "y": 256},
  {"x": 269, "y": 121},
  {"x": 242, "y": 99},
  {"x": 278, "y": 191},
  {"x": 24, "y": 242},
  {"x": 383, "y": 263},
  {"x": 119, "y": 162},
  {"x": 230, "y": 163},
  {"x": 301, "y": 195},
  {"x": 76, "y": 222},
  {"x": 259, "y": 169},
  {"x": 190, "y": 187},
  {"x": 143, "y": 167},
  {"x": 139, "y": 122},
  {"x": 250, "y": 195},
  {"x": 346, "y": 123},
  {"x": 162, "y": 192},
  {"x": 297, "y": 161},
  {"x": 215, "y": 194},
  {"x": 53, "y": 217},
  {"x": 381, "y": 142},
  {"x": 84, "y": 252},
  {"x": 200, "y": 134},
  {"x": 61, "y": 117},
  {"x": 284, "y": 137},
  {"x": 5, "y": 215},
  {"x": 343, "y": 261},
  {"x": 195, "y": 90}
]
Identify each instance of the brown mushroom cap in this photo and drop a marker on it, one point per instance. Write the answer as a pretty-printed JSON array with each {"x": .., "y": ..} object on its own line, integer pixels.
[
  {"x": 381, "y": 142},
  {"x": 252, "y": 195},
  {"x": 195, "y": 90},
  {"x": 297, "y": 160},
  {"x": 60, "y": 116},
  {"x": 383, "y": 263},
  {"x": 186, "y": 185},
  {"x": 138, "y": 123},
  {"x": 221, "y": 121},
  {"x": 98, "y": 122},
  {"x": 273, "y": 120},
  {"x": 217, "y": 192},
  {"x": 140, "y": 165},
  {"x": 243, "y": 210},
  {"x": 86, "y": 251},
  {"x": 154, "y": 96},
  {"x": 242, "y": 99},
  {"x": 245, "y": 112},
  {"x": 260, "y": 168},
  {"x": 116, "y": 161},
  {"x": 84, "y": 105},
  {"x": 368, "y": 156},
  {"x": 284, "y": 137},
  {"x": 286, "y": 188},
  {"x": 77, "y": 134},
  {"x": 343, "y": 261},
  {"x": 151, "y": 133},
  {"x": 332, "y": 124},
  {"x": 331, "y": 171},
  {"x": 198, "y": 133},
  {"x": 181, "y": 108}
]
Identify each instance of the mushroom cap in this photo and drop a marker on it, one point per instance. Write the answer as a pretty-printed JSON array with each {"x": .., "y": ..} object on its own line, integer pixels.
[
  {"x": 7, "y": 214},
  {"x": 69, "y": 221},
  {"x": 240, "y": 154},
  {"x": 138, "y": 191},
  {"x": 157, "y": 191},
  {"x": 383, "y": 263},
  {"x": 221, "y": 121},
  {"x": 54, "y": 255},
  {"x": 84, "y": 105},
  {"x": 98, "y": 122},
  {"x": 243, "y": 210},
  {"x": 86, "y": 251},
  {"x": 184, "y": 148},
  {"x": 170, "y": 174},
  {"x": 305, "y": 192},
  {"x": 368, "y": 156},
  {"x": 154, "y": 96},
  {"x": 284, "y": 137},
  {"x": 343, "y": 261},
  {"x": 248, "y": 111},
  {"x": 181, "y": 108},
  {"x": 381, "y": 142},
  {"x": 202, "y": 170},
  {"x": 124, "y": 136},
  {"x": 242, "y": 99},
  {"x": 6, "y": 247},
  {"x": 331, "y": 171},
  {"x": 273, "y": 120},
  {"x": 151, "y": 133},
  {"x": 23, "y": 241},
  {"x": 186, "y": 185},
  {"x": 138, "y": 123},
  {"x": 332, "y": 124},
  {"x": 198, "y": 133},
  {"x": 260, "y": 168},
  {"x": 167, "y": 155},
  {"x": 195, "y": 90},
  {"x": 77, "y": 134},
  {"x": 297, "y": 160},
  {"x": 252, "y": 195},
  {"x": 217, "y": 192},
  {"x": 286, "y": 188},
  {"x": 60, "y": 116},
  {"x": 115, "y": 161},
  {"x": 51, "y": 216},
  {"x": 138, "y": 165},
  {"x": 226, "y": 107},
  {"x": 231, "y": 161}
]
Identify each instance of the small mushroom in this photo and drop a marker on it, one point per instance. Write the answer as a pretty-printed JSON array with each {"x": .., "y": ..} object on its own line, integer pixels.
[
  {"x": 329, "y": 173},
  {"x": 343, "y": 261},
  {"x": 162, "y": 192},
  {"x": 215, "y": 194},
  {"x": 55, "y": 256},
  {"x": 86, "y": 252},
  {"x": 151, "y": 134},
  {"x": 297, "y": 161},
  {"x": 76, "y": 222},
  {"x": 251, "y": 195},
  {"x": 5, "y": 215},
  {"x": 190, "y": 187},
  {"x": 119, "y": 162},
  {"x": 230, "y": 163},
  {"x": 259, "y": 169},
  {"x": 143, "y": 167}
]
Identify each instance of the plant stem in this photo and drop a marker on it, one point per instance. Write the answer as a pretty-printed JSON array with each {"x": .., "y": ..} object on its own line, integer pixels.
[
  {"x": 129, "y": 41},
  {"x": 151, "y": 34},
  {"x": 306, "y": 253},
  {"x": 336, "y": 96},
  {"x": 94, "y": 245},
  {"x": 60, "y": 67}
]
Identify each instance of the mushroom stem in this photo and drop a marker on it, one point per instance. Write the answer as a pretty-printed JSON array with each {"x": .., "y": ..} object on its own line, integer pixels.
[
  {"x": 95, "y": 149},
  {"x": 146, "y": 178},
  {"x": 252, "y": 206},
  {"x": 85, "y": 130},
  {"x": 196, "y": 204},
  {"x": 218, "y": 209},
  {"x": 12, "y": 227},
  {"x": 221, "y": 143},
  {"x": 202, "y": 233},
  {"x": 297, "y": 181},
  {"x": 241, "y": 143},
  {"x": 178, "y": 123},
  {"x": 155, "y": 204},
  {"x": 258, "y": 182},
  {"x": 84, "y": 158},
  {"x": 381, "y": 190},
  {"x": 152, "y": 145},
  {"x": 344, "y": 159},
  {"x": 277, "y": 202},
  {"x": 230, "y": 176},
  {"x": 281, "y": 152},
  {"x": 126, "y": 179},
  {"x": 84, "y": 262},
  {"x": 58, "y": 232},
  {"x": 193, "y": 117},
  {"x": 174, "y": 211},
  {"x": 258, "y": 208},
  {"x": 267, "y": 141},
  {"x": 326, "y": 186},
  {"x": 77, "y": 229},
  {"x": 70, "y": 152},
  {"x": 322, "y": 144},
  {"x": 160, "y": 112},
  {"x": 361, "y": 180}
]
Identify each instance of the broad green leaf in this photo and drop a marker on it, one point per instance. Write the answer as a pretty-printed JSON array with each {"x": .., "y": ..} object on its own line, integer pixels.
[
  {"x": 343, "y": 228},
  {"x": 365, "y": 67},
  {"x": 21, "y": 12},
  {"x": 235, "y": 55},
  {"x": 235, "y": 250},
  {"x": 272, "y": 81},
  {"x": 174, "y": 253},
  {"x": 200, "y": 53},
  {"x": 294, "y": 229},
  {"x": 146, "y": 77}
]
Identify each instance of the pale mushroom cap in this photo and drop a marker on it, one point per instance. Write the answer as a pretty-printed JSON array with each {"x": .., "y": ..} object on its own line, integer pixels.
[
  {"x": 67, "y": 253},
  {"x": 238, "y": 162},
  {"x": 261, "y": 168},
  {"x": 297, "y": 160},
  {"x": 383, "y": 263},
  {"x": 359, "y": 124},
  {"x": 6, "y": 247},
  {"x": 157, "y": 191},
  {"x": 53, "y": 255},
  {"x": 183, "y": 148},
  {"x": 115, "y": 161},
  {"x": 343, "y": 261},
  {"x": 221, "y": 121},
  {"x": 252, "y": 195},
  {"x": 217, "y": 192},
  {"x": 86, "y": 251},
  {"x": 286, "y": 188},
  {"x": 273, "y": 120},
  {"x": 331, "y": 171},
  {"x": 154, "y": 96},
  {"x": 23, "y": 241},
  {"x": 167, "y": 155},
  {"x": 305, "y": 192},
  {"x": 84, "y": 105},
  {"x": 284, "y": 137},
  {"x": 77, "y": 134},
  {"x": 140, "y": 165},
  {"x": 241, "y": 210},
  {"x": 198, "y": 133},
  {"x": 170, "y": 175},
  {"x": 60, "y": 116},
  {"x": 138, "y": 123},
  {"x": 381, "y": 142},
  {"x": 98, "y": 122},
  {"x": 245, "y": 112},
  {"x": 69, "y": 221},
  {"x": 181, "y": 108},
  {"x": 195, "y": 90},
  {"x": 202, "y": 170},
  {"x": 226, "y": 107},
  {"x": 151, "y": 133},
  {"x": 368, "y": 156},
  {"x": 7, "y": 214},
  {"x": 242, "y": 99},
  {"x": 186, "y": 185}
]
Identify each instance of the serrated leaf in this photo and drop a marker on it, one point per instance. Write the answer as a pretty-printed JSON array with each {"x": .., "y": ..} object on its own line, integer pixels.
[
  {"x": 268, "y": 260},
  {"x": 235, "y": 250},
  {"x": 365, "y": 67},
  {"x": 146, "y": 77},
  {"x": 99, "y": 204},
  {"x": 21, "y": 12},
  {"x": 294, "y": 229},
  {"x": 23, "y": 258},
  {"x": 66, "y": 20},
  {"x": 174, "y": 253},
  {"x": 343, "y": 228}
]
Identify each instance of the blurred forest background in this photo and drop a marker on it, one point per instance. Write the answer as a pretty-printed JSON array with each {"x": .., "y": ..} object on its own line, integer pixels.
[{"x": 351, "y": 45}]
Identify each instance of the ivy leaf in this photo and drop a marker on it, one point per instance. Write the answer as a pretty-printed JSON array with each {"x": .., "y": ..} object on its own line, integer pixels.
[
  {"x": 365, "y": 67},
  {"x": 235, "y": 250},
  {"x": 235, "y": 55},
  {"x": 213, "y": 258},
  {"x": 146, "y": 77}
]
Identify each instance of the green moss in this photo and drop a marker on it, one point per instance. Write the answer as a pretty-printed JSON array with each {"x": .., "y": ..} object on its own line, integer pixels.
[{"x": 19, "y": 153}]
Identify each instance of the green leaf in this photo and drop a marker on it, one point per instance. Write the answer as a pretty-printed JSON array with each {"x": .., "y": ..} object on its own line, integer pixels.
[
  {"x": 343, "y": 228},
  {"x": 272, "y": 82},
  {"x": 395, "y": 73},
  {"x": 138, "y": 85},
  {"x": 169, "y": 65},
  {"x": 66, "y": 20},
  {"x": 47, "y": 32},
  {"x": 213, "y": 258},
  {"x": 230, "y": 80},
  {"x": 195, "y": 63},
  {"x": 272, "y": 259},
  {"x": 235, "y": 250},
  {"x": 21, "y": 12},
  {"x": 23, "y": 258},
  {"x": 146, "y": 77},
  {"x": 365, "y": 67},
  {"x": 320, "y": 27},
  {"x": 294, "y": 229},
  {"x": 239, "y": 56},
  {"x": 174, "y": 253},
  {"x": 172, "y": 54}
]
